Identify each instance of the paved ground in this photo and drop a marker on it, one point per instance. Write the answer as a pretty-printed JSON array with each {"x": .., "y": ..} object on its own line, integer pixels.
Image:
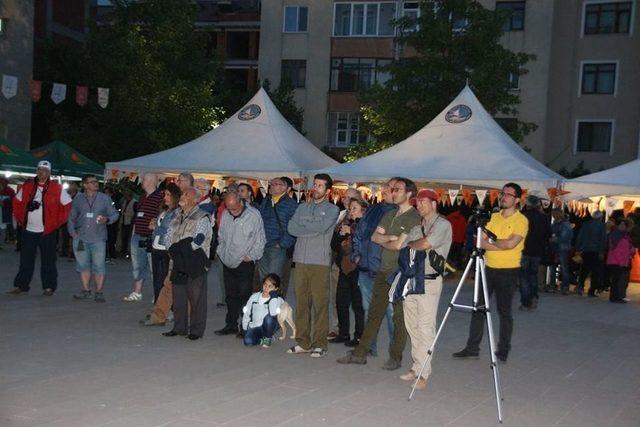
[{"x": 575, "y": 362}]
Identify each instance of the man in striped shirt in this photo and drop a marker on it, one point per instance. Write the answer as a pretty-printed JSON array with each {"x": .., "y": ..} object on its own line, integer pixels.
[{"x": 148, "y": 210}]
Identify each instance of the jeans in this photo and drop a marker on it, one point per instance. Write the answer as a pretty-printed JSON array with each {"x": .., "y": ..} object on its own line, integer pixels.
[
  {"x": 273, "y": 260},
  {"x": 29, "y": 244},
  {"x": 565, "y": 272},
  {"x": 503, "y": 281},
  {"x": 252, "y": 336},
  {"x": 529, "y": 266},
  {"x": 365, "y": 282},
  {"x": 139, "y": 258},
  {"x": 92, "y": 258}
]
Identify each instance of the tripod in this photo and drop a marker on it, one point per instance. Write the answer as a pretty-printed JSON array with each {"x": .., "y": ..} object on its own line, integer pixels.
[{"x": 480, "y": 285}]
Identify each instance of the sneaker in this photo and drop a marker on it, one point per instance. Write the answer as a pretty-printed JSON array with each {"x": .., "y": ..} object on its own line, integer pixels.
[
  {"x": 48, "y": 292},
  {"x": 133, "y": 297},
  {"x": 83, "y": 295},
  {"x": 391, "y": 365},
  {"x": 317, "y": 353},
  {"x": 266, "y": 342},
  {"x": 149, "y": 322},
  {"x": 465, "y": 354},
  {"x": 409, "y": 376},
  {"x": 99, "y": 297},
  {"x": 626, "y": 299}
]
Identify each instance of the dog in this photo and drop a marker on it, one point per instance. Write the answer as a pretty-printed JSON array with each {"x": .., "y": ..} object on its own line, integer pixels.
[{"x": 286, "y": 316}]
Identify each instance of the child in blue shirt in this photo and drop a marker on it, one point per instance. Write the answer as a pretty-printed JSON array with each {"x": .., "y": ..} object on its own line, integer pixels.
[{"x": 260, "y": 315}]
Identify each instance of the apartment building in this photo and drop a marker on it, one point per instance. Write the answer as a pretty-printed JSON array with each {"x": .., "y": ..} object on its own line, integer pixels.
[
  {"x": 16, "y": 59},
  {"x": 581, "y": 90}
]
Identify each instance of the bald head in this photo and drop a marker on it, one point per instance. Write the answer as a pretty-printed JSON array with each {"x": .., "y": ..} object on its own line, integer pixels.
[
  {"x": 188, "y": 199},
  {"x": 149, "y": 182}
]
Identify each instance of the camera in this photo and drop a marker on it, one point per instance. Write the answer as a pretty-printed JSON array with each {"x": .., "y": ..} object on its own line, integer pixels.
[
  {"x": 480, "y": 216},
  {"x": 145, "y": 244},
  {"x": 33, "y": 205}
]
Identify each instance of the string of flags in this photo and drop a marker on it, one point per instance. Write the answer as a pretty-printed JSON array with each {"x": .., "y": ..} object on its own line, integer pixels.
[{"x": 58, "y": 91}]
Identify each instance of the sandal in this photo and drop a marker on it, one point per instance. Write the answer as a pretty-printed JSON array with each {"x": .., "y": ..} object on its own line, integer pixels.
[
  {"x": 318, "y": 353},
  {"x": 296, "y": 349}
]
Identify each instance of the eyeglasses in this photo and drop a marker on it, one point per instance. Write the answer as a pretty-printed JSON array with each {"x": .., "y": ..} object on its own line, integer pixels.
[
  {"x": 91, "y": 182},
  {"x": 502, "y": 194}
]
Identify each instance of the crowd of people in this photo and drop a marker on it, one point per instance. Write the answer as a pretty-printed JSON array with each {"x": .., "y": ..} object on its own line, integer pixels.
[{"x": 389, "y": 257}]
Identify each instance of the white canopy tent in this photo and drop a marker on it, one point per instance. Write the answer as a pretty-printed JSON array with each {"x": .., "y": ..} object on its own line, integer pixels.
[
  {"x": 623, "y": 179},
  {"x": 256, "y": 142},
  {"x": 462, "y": 145}
]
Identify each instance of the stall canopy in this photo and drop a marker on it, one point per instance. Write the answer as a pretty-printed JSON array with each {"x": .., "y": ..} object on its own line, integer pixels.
[
  {"x": 15, "y": 160},
  {"x": 462, "y": 145},
  {"x": 256, "y": 142},
  {"x": 623, "y": 179},
  {"x": 65, "y": 160}
]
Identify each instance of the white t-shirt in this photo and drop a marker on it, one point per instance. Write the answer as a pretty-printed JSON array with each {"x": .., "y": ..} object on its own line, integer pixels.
[{"x": 35, "y": 222}]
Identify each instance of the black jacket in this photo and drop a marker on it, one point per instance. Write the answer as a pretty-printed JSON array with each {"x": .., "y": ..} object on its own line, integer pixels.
[
  {"x": 187, "y": 263},
  {"x": 537, "y": 241}
]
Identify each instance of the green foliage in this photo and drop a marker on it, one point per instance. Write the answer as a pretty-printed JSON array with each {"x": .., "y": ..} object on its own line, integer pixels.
[
  {"x": 164, "y": 90},
  {"x": 437, "y": 61},
  {"x": 283, "y": 99},
  {"x": 579, "y": 170}
]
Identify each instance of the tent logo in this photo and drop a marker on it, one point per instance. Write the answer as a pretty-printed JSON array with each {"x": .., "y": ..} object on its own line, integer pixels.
[
  {"x": 458, "y": 114},
  {"x": 249, "y": 112}
]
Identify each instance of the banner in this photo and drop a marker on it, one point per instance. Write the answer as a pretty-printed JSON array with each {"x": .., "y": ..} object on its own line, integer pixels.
[
  {"x": 467, "y": 197},
  {"x": 9, "y": 86},
  {"x": 82, "y": 94},
  {"x": 58, "y": 93},
  {"x": 493, "y": 196},
  {"x": 453, "y": 194},
  {"x": 103, "y": 97},
  {"x": 481, "y": 195},
  {"x": 35, "y": 90}
]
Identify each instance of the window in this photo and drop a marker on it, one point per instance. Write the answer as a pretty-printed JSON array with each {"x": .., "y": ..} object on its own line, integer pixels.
[
  {"x": 344, "y": 130},
  {"x": 607, "y": 18},
  {"x": 3, "y": 26},
  {"x": 515, "y": 19},
  {"x": 411, "y": 9},
  {"x": 353, "y": 74},
  {"x": 237, "y": 44},
  {"x": 295, "y": 19},
  {"x": 594, "y": 136},
  {"x": 295, "y": 71},
  {"x": 514, "y": 81},
  {"x": 598, "y": 79},
  {"x": 364, "y": 19}
]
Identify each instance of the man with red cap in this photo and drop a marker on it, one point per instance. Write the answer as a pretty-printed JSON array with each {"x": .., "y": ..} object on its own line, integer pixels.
[{"x": 421, "y": 294}]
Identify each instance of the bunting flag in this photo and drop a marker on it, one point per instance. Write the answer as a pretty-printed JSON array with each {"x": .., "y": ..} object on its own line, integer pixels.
[
  {"x": 453, "y": 194},
  {"x": 264, "y": 186},
  {"x": 9, "y": 86},
  {"x": 103, "y": 97},
  {"x": 441, "y": 197},
  {"x": 58, "y": 93},
  {"x": 609, "y": 206},
  {"x": 481, "y": 195},
  {"x": 467, "y": 197},
  {"x": 627, "y": 207},
  {"x": 35, "y": 90},
  {"x": 493, "y": 196},
  {"x": 82, "y": 95},
  {"x": 298, "y": 187}
]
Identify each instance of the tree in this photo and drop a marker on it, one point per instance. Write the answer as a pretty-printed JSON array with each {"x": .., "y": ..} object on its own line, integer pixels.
[
  {"x": 456, "y": 41},
  {"x": 282, "y": 98},
  {"x": 164, "y": 90}
]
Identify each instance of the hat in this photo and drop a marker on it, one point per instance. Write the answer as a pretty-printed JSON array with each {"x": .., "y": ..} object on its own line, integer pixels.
[
  {"x": 533, "y": 201},
  {"x": 427, "y": 193},
  {"x": 45, "y": 164}
]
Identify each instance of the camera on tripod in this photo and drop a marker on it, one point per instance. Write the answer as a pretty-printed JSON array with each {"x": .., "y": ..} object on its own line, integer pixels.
[
  {"x": 480, "y": 216},
  {"x": 33, "y": 205}
]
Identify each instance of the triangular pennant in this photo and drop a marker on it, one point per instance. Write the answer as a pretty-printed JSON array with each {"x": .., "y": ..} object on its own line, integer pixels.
[
  {"x": 58, "y": 93},
  {"x": 493, "y": 196},
  {"x": 467, "y": 197},
  {"x": 481, "y": 195},
  {"x": 103, "y": 97},
  {"x": 453, "y": 194},
  {"x": 35, "y": 90},
  {"x": 82, "y": 94},
  {"x": 9, "y": 86}
]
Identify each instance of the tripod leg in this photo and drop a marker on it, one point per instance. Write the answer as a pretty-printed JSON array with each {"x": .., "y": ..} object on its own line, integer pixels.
[
  {"x": 492, "y": 344},
  {"x": 444, "y": 320}
]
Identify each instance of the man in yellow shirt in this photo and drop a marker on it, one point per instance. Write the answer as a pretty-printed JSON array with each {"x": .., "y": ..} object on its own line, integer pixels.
[{"x": 502, "y": 258}]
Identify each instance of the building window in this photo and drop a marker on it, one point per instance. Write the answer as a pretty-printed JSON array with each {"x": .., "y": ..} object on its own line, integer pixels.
[
  {"x": 411, "y": 9},
  {"x": 354, "y": 74},
  {"x": 594, "y": 136},
  {"x": 515, "y": 20},
  {"x": 598, "y": 78},
  {"x": 344, "y": 130},
  {"x": 295, "y": 19},
  {"x": 3, "y": 26},
  {"x": 295, "y": 71},
  {"x": 607, "y": 18},
  {"x": 514, "y": 81},
  {"x": 364, "y": 19}
]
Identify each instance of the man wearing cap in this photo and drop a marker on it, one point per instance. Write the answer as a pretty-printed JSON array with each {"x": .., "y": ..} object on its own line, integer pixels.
[
  {"x": 40, "y": 208},
  {"x": 535, "y": 246},
  {"x": 421, "y": 297}
]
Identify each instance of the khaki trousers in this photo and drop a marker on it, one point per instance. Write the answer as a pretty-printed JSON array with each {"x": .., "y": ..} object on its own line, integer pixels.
[
  {"x": 420, "y": 312},
  {"x": 312, "y": 297}
]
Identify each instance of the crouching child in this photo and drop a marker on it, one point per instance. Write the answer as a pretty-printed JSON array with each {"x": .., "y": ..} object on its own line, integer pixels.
[{"x": 260, "y": 315}]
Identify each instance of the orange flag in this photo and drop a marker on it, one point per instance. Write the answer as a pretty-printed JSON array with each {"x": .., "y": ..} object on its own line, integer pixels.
[
  {"x": 468, "y": 197},
  {"x": 627, "y": 207},
  {"x": 493, "y": 196}
]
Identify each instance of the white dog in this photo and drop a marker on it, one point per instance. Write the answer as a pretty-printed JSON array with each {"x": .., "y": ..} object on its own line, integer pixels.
[{"x": 286, "y": 316}]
